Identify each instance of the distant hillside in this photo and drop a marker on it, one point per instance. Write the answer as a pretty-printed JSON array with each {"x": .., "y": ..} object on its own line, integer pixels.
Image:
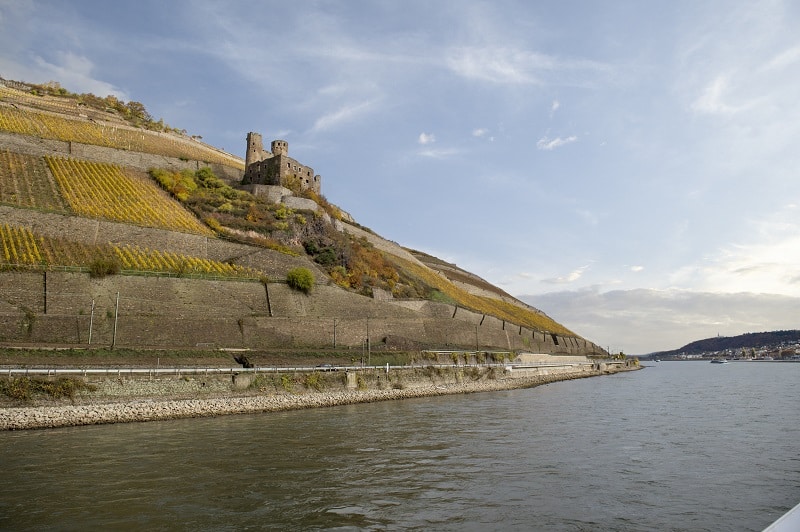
[
  {"x": 95, "y": 186},
  {"x": 721, "y": 343}
]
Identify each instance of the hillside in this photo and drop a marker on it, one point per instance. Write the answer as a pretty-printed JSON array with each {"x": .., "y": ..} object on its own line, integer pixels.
[
  {"x": 91, "y": 195},
  {"x": 768, "y": 340}
]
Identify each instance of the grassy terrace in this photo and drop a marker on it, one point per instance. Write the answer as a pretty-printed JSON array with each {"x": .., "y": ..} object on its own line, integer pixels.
[{"x": 26, "y": 182}]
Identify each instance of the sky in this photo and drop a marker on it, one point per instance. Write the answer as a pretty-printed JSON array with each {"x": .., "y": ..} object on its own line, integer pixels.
[{"x": 630, "y": 168}]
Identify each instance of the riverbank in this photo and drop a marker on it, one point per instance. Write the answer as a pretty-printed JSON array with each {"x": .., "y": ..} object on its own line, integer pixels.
[{"x": 101, "y": 411}]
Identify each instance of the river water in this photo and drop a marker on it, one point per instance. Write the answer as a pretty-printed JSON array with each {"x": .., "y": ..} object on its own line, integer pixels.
[{"x": 677, "y": 446}]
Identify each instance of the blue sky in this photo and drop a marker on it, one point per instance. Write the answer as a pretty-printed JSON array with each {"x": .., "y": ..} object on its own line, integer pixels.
[{"x": 625, "y": 166}]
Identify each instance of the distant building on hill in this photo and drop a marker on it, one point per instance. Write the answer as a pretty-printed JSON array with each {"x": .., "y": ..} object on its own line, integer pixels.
[{"x": 275, "y": 167}]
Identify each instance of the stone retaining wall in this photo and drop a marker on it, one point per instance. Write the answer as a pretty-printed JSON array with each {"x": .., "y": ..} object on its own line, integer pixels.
[
  {"x": 56, "y": 308},
  {"x": 210, "y": 397}
]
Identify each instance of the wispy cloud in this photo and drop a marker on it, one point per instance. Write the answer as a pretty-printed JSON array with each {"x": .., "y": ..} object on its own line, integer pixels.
[
  {"x": 784, "y": 59},
  {"x": 713, "y": 98},
  {"x": 426, "y": 138},
  {"x": 516, "y": 66},
  {"x": 497, "y": 65},
  {"x": 344, "y": 114},
  {"x": 548, "y": 144},
  {"x": 765, "y": 260},
  {"x": 571, "y": 277},
  {"x": 443, "y": 153}
]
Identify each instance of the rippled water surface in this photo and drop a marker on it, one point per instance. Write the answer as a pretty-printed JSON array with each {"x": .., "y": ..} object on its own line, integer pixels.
[{"x": 677, "y": 446}]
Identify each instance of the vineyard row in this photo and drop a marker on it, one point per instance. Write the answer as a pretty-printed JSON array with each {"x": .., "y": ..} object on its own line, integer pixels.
[
  {"x": 30, "y": 122},
  {"x": 21, "y": 247}
]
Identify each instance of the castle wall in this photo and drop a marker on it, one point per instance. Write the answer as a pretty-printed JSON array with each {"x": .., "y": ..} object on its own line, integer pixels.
[
  {"x": 275, "y": 168},
  {"x": 278, "y": 169}
]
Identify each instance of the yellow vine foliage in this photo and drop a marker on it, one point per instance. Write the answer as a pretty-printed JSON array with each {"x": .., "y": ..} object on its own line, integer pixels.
[
  {"x": 52, "y": 126},
  {"x": 143, "y": 259},
  {"x": 484, "y": 305},
  {"x": 99, "y": 190},
  {"x": 20, "y": 246}
]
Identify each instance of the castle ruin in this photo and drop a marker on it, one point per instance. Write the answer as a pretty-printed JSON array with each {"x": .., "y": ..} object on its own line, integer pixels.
[{"x": 275, "y": 167}]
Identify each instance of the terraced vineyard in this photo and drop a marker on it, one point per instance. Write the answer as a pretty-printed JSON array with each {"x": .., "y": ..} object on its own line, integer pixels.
[
  {"x": 143, "y": 259},
  {"x": 486, "y": 305},
  {"x": 99, "y": 190},
  {"x": 50, "y": 126},
  {"x": 20, "y": 247},
  {"x": 26, "y": 182}
]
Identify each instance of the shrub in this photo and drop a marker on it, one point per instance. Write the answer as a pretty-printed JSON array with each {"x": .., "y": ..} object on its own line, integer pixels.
[
  {"x": 300, "y": 279},
  {"x": 25, "y": 388},
  {"x": 314, "y": 380},
  {"x": 102, "y": 266}
]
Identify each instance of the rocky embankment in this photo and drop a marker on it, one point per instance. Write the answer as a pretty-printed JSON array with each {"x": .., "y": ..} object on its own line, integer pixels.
[{"x": 91, "y": 413}]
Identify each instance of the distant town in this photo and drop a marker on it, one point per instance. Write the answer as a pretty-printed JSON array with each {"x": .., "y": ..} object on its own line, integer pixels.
[{"x": 777, "y": 345}]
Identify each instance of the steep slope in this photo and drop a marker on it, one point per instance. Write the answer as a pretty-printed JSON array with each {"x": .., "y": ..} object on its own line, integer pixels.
[{"x": 73, "y": 193}]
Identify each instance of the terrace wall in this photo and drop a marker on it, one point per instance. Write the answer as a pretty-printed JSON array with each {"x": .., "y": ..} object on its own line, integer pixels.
[{"x": 61, "y": 307}]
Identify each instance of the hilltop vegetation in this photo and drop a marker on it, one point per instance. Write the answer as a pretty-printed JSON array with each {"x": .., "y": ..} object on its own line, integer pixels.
[{"x": 70, "y": 119}]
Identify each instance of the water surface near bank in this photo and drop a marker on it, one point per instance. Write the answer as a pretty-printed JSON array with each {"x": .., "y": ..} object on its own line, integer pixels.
[{"x": 677, "y": 446}]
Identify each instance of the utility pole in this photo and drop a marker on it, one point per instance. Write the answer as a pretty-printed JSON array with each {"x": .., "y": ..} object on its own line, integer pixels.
[
  {"x": 369, "y": 346},
  {"x": 334, "y": 333},
  {"x": 116, "y": 318},
  {"x": 91, "y": 322}
]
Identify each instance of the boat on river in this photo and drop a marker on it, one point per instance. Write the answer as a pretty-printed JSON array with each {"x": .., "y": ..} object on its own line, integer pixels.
[{"x": 719, "y": 361}]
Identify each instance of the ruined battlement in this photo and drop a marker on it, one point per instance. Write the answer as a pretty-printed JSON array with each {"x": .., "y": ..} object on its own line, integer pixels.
[{"x": 275, "y": 167}]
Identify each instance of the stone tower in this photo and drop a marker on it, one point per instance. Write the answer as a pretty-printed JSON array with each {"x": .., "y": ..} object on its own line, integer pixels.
[
  {"x": 279, "y": 147},
  {"x": 255, "y": 149}
]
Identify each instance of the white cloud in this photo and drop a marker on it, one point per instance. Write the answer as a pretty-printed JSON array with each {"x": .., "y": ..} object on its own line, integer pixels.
[
  {"x": 511, "y": 65},
  {"x": 644, "y": 321},
  {"x": 554, "y": 107},
  {"x": 497, "y": 65},
  {"x": 480, "y": 132},
  {"x": 765, "y": 260},
  {"x": 590, "y": 217},
  {"x": 75, "y": 72},
  {"x": 548, "y": 144},
  {"x": 784, "y": 59},
  {"x": 637, "y": 269},
  {"x": 426, "y": 138},
  {"x": 442, "y": 153},
  {"x": 571, "y": 277},
  {"x": 711, "y": 100}
]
